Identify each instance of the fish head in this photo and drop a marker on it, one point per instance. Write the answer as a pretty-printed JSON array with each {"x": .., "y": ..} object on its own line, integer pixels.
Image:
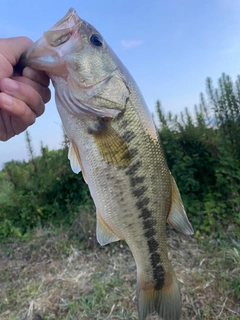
[
  {"x": 49, "y": 52},
  {"x": 75, "y": 51}
]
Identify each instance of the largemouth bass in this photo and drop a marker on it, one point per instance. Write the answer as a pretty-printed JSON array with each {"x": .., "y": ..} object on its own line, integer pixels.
[{"x": 115, "y": 144}]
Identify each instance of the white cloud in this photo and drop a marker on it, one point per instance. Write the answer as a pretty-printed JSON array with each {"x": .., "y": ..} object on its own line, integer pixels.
[{"x": 131, "y": 43}]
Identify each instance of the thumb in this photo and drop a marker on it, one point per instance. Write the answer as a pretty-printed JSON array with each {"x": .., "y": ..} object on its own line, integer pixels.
[{"x": 12, "y": 48}]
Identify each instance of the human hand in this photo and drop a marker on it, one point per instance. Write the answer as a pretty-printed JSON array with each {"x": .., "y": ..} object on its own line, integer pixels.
[{"x": 22, "y": 96}]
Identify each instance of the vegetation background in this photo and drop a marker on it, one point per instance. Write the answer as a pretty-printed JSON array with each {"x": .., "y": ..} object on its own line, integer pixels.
[{"x": 203, "y": 154}]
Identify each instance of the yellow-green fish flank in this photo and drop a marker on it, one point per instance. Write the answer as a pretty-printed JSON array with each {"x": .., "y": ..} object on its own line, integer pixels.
[{"x": 115, "y": 144}]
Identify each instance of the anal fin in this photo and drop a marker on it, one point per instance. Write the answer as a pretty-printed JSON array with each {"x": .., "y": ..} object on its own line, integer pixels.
[{"x": 104, "y": 234}]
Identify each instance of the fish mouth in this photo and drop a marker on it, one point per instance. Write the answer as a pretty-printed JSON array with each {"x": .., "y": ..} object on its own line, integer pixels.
[
  {"x": 47, "y": 53},
  {"x": 69, "y": 20}
]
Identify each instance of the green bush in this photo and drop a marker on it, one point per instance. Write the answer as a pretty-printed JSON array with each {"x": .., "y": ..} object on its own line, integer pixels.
[
  {"x": 44, "y": 190},
  {"x": 204, "y": 157}
]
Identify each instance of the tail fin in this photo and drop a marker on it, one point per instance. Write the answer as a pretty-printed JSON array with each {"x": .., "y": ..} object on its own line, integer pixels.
[{"x": 166, "y": 302}]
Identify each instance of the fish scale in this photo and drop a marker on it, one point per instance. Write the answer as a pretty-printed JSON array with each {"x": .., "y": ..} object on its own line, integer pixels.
[{"x": 114, "y": 142}]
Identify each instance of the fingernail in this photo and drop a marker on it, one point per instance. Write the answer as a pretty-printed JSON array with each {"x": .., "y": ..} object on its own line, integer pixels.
[{"x": 7, "y": 100}]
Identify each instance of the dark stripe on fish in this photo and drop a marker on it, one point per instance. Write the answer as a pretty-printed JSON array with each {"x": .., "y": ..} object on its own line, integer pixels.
[
  {"x": 139, "y": 192},
  {"x": 133, "y": 168},
  {"x": 136, "y": 180},
  {"x": 133, "y": 152},
  {"x": 142, "y": 202},
  {"x": 148, "y": 222},
  {"x": 128, "y": 136}
]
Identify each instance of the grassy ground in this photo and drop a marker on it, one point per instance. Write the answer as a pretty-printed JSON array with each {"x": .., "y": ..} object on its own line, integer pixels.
[{"x": 53, "y": 277}]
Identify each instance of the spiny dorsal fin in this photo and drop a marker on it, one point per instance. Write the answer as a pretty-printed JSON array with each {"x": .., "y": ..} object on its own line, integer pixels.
[
  {"x": 177, "y": 216},
  {"x": 75, "y": 160},
  {"x": 104, "y": 234},
  {"x": 112, "y": 148}
]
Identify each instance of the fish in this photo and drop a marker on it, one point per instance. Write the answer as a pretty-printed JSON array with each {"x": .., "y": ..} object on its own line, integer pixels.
[{"x": 115, "y": 144}]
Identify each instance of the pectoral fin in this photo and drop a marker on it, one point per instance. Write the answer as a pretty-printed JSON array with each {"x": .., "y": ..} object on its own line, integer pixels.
[
  {"x": 112, "y": 148},
  {"x": 104, "y": 234},
  {"x": 75, "y": 160},
  {"x": 177, "y": 216}
]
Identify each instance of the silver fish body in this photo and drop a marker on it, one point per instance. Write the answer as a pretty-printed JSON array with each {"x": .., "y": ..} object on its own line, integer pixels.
[{"x": 115, "y": 144}]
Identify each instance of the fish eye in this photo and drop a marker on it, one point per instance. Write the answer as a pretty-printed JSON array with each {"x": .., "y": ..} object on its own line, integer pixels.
[{"x": 96, "y": 40}]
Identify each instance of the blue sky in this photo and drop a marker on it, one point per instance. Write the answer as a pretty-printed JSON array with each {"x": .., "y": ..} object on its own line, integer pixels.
[{"x": 170, "y": 47}]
